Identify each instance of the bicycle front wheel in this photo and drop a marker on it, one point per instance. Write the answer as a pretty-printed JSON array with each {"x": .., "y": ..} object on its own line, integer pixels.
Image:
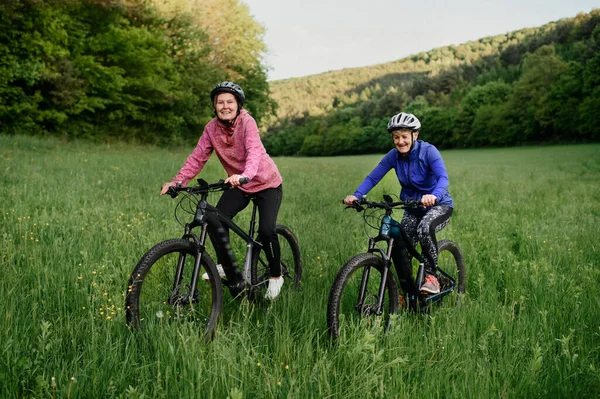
[
  {"x": 160, "y": 293},
  {"x": 290, "y": 260},
  {"x": 354, "y": 295}
]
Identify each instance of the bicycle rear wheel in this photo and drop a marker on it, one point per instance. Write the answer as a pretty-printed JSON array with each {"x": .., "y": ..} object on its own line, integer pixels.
[
  {"x": 344, "y": 307},
  {"x": 451, "y": 262},
  {"x": 155, "y": 298},
  {"x": 291, "y": 261}
]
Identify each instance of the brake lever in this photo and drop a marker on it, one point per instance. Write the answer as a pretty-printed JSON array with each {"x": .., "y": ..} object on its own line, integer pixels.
[{"x": 355, "y": 205}]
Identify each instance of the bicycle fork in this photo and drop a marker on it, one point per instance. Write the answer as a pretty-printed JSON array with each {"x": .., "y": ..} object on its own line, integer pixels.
[
  {"x": 185, "y": 298},
  {"x": 383, "y": 283}
]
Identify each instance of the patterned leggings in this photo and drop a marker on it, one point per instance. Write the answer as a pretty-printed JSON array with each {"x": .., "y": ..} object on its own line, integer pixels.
[{"x": 422, "y": 229}]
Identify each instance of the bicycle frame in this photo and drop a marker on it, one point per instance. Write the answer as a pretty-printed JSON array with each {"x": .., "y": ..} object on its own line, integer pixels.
[
  {"x": 251, "y": 243},
  {"x": 390, "y": 231},
  {"x": 203, "y": 208}
]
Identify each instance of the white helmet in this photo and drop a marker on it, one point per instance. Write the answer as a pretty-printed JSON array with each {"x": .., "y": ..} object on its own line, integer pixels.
[{"x": 403, "y": 121}]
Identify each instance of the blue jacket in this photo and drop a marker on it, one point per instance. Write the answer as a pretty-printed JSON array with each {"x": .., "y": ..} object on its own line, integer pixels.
[{"x": 420, "y": 172}]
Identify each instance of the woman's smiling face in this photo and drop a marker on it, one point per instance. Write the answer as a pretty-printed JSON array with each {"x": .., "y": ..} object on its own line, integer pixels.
[
  {"x": 226, "y": 106},
  {"x": 403, "y": 140}
]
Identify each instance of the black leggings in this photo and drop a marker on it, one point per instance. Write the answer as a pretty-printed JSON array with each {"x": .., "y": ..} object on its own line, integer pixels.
[
  {"x": 422, "y": 229},
  {"x": 230, "y": 204}
]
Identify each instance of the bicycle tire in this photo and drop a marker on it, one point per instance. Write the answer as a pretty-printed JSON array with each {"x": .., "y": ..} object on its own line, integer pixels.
[
  {"x": 343, "y": 297},
  {"x": 451, "y": 260},
  {"x": 291, "y": 260},
  {"x": 152, "y": 299}
]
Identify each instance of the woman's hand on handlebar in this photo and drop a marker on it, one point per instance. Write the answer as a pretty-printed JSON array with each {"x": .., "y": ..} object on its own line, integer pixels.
[
  {"x": 349, "y": 200},
  {"x": 165, "y": 187},
  {"x": 428, "y": 200},
  {"x": 236, "y": 180}
]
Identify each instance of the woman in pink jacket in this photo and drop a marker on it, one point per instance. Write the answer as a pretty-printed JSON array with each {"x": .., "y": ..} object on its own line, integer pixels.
[{"x": 233, "y": 135}]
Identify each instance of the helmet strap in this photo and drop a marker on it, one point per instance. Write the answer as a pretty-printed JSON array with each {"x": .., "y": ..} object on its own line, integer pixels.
[
  {"x": 227, "y": 123},
  {"x": 412, "y": 137}
]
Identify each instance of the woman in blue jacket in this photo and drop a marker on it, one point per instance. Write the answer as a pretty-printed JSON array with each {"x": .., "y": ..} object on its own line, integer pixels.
[{"x": 422, "y": 175}]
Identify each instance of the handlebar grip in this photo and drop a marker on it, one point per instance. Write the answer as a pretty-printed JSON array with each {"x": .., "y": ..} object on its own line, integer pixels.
[
  {"x": 420, "y": 202},
  {"x": 355, "y": 205},
  {"x": 171, "y": 191},
  {"x": 244, "y": 180}
]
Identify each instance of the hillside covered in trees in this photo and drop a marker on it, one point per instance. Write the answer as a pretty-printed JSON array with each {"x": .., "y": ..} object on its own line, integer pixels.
[
  {"x": 141, "y": 70},
  {"x": 535, "y": 85},
  {"x": 134, "y": 70}
]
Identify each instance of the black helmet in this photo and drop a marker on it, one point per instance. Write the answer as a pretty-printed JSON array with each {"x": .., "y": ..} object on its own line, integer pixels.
[
  {"x": 229, "y": 87},
  {"x": 404, "y": 121}
]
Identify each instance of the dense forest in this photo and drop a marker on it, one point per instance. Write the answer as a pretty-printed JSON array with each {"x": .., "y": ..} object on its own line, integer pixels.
[
  {"x": 132, "y": 70},
  {"x": 535, "y": 85},
  {"x": 141, "y": 71}
]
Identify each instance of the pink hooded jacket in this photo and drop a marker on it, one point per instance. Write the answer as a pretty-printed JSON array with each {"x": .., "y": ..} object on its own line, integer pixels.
[{"x": 239, "y": 150}]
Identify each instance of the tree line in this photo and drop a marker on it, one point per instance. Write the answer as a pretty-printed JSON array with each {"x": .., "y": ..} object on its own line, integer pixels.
[
  {"x": 141, "y": 70},
  {"x": 126, "y": 69},
  {"x": 536, "y": 85}
]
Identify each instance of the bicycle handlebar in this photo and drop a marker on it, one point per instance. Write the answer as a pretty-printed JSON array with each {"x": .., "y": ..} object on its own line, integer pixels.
[
  {"x": 204, "y": 187},
  {"x": 386, "y": 204}
]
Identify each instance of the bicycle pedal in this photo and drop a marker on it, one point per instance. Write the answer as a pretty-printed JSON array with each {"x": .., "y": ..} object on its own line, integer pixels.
[{"x": 237, "y": 288}]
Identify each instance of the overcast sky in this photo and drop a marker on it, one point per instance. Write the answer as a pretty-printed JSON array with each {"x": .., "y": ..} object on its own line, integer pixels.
[{"x": 308, "y": 37}]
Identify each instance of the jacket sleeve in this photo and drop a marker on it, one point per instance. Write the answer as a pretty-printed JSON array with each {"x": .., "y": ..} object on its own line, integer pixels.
[
  {"x": 254, "y": 148},
  {"x": 196, "y": 160},
  {"x": 439, "y": 171},
  {"x": 384, "y": 166}
]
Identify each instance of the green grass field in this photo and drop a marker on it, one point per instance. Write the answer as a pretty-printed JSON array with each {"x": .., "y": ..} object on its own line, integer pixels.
[{"x": 76, "y": 219}]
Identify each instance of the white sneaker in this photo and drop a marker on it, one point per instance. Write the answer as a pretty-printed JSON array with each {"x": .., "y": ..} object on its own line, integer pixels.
[
  {"x": 274, "y": 288},
  {"x": 219, "y": 270}
]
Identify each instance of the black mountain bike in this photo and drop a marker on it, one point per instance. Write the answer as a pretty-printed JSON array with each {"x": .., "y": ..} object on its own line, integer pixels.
[
  {"x": 366, "y": 289},
  {"x": 166, "y": 285}
]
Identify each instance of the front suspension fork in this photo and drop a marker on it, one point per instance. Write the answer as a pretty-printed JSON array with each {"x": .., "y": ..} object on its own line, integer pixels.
[
  {"x": 199, "y": 246},
  {"x": 384, "y": 276}
]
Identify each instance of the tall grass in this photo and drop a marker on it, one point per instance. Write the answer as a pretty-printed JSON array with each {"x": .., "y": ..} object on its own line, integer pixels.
[{"x": 76, "y": 219}]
